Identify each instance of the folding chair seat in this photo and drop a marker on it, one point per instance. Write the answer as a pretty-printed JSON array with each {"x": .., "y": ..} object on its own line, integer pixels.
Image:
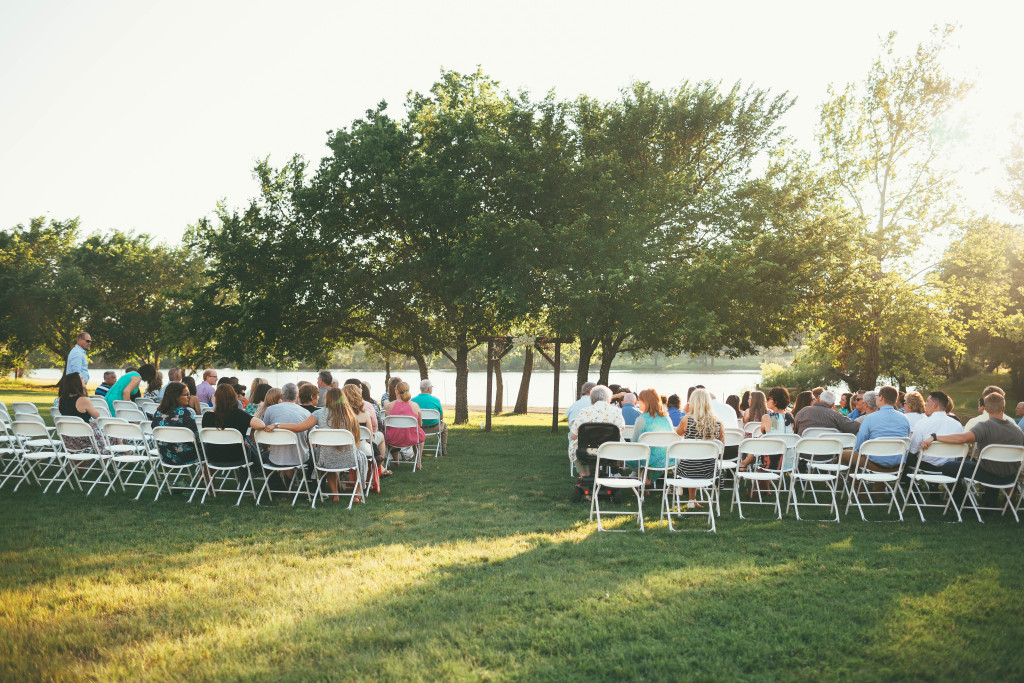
[
  {"x": 401, "y": 422},
  {"x": 752, "y": 430},
  {"x": 42, "y": 459},
  {"x": 658, "y": 440},
  {"x": 996, "y": 453},
  {"x": 930, "y": 478},
  {"x": 336, "y": 438},
  {"x": 618, "y": 451},
  {"x": 431, "y": 414},
  {"x": 761, "y": 471},
  {"x": 821, "y": 458},
  {"x": 241, "y": 471},
  {"x": 131, "y": 454},
  {"x": 813, "y": 432},
  {"x": 298, "y": 482},
  {"x": 86, "y": 453},
  {"x": 193, "y": 470},
  {"x": 868, "y": 479},
  {"x": 695, "y": 451}
]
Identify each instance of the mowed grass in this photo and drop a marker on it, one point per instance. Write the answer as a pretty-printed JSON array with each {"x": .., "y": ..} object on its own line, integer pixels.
[{"x": 480, "y": 567}]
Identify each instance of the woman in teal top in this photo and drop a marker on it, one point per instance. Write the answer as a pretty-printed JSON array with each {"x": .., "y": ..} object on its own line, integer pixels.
[
  {"x": 129, "y": 382},
  {"x": 653, "y": 419}
]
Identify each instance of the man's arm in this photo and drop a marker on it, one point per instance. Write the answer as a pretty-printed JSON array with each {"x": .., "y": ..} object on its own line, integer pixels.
[{"x": 964, "y": 437}]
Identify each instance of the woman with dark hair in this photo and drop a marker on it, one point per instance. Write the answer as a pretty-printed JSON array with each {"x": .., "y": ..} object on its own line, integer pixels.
[
  {"x": 777, "y": 420},
  {"x": 745, "y": 402},
  {"x": 173, "y": 412},
  {"x": 73, "y": 402},
  {"x": 256, "y": 398},
  {"x": 757, "y": 409},
  {"x": 734, "y": 402},
  {"x": 227, "y": 415},
  {"x": 844, "y": 403},
  {"x": 126, "y": 388},
  {"x": 803, "y": 399},
  {"x": 673, "y": 410},
  {"x": 309, "y": 394},
  {"x": 391, "y": 396},
  {"x": 193, "y": 399},
  {"x": 153, "y": 388}
]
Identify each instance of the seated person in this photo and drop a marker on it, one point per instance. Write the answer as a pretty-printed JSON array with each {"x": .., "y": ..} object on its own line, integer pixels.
[
  {"x": 109, "y": 377},
  {"x": 700, "y": 422},
  {"x": 73, "y": 402},
  {"x": 629, "y": 411},
  {"x": 286, "y": 414},
  {"x": 405, "y": 437},
  {"x": 885, "y": 421},
  {"x": 173, "y": 411},
  {"x": 674, "y": 413},
  {"x": 936, "y": 421},
  {"x": 653, "y": 419},
  {"x": 227, "y": 415},
  {"x": 309, "y": 395},
  {"x": 599, "y": 410},
  {"x": 426, "y": 399}
]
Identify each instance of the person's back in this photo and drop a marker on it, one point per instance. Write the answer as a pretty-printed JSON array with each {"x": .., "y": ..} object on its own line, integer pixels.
[
  {"x": 430, "y": 402},
  {"x": 287, "y": 412},
  {"x": 630, "y": 413},
  {"x": 821, "y": 414}
]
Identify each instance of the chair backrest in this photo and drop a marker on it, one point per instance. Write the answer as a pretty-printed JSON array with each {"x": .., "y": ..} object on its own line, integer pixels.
[
  {"x": 100, "y": 404},
  {"x": 29, "y": 417},
  {"x": 73, "y": 427},
  {"x": 132, "y": 414},
  {"x": 848, "y": 440},
  {"x": 364, "y": 433},
  {"x": 400, "y": 421},
  {"x": 658, "y": 439},
  {"x": 430, "y": 414},
  {"x": 117, "y": 403},
  {"x": 24, "y": 408},
  {"x": 104, "y": 421},
  {"x": 174, "y": 435},
  {"x": 622, "y": 451},
  {"x": 952, "y": 451},
  {"x": 124, "y": 431},
  {"x": 692, "y": 449},
  {"x": 220, "y": 437},
  {"x": 733, "y": 437},
  {"x": 278, "y": 437},
  {"x": 819, "y": 448},
  {"x": 30, "y": 429},
  {"x": 204, "y": 409},
  {"x": 331, "y": 437},
  {"x": 627, "y": 433},
  {"x": 883, "y": 447},
  {"x": 594, "y": 434},
  {"x": 66, "y": 418},
  {"x": 766, "y": 445},
  {"x": 997, "y": 452},
  {"x": 812, "y": 432}
]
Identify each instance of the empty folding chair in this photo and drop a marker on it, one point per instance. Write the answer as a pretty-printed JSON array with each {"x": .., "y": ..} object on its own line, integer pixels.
[
  {"x": 100, "y": 404},
  {"x": 24, "y": 408},
  {"x": 119, "y": 403},
  {"x": 618, "y": 451},
  {"x": 1011, "y": 458},
  {"x": 81, "y": 448},
  {"x": 237, "y": 466},
  {"x": 132, "y": 457},
  {"x": 769, "y": 467},
  {"x": 627, "y": 432},
  {"x": 130, "y": 413},
  {"x": 812, "y": 432},
  {"x": 336, "y": 438},
  {"x": 930, "y": 478},
  {"x": 812, "y": 454},
  {"x": 42, "y": 459},
  {"x": 658, "y": 440},
  {"x": 431, "y": 414},
  {"x": 296, "y": 465},
  {"x": 10, "y": 460},
  {"x": 698, "y": 454},
  {"x": 392, "y": 422},
  {"x": 177, "y": 440},
  {"x": 863, "y": 480}
]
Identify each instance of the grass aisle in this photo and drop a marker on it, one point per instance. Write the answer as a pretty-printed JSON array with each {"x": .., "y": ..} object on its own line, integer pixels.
[{"x": 480, "y": 567}]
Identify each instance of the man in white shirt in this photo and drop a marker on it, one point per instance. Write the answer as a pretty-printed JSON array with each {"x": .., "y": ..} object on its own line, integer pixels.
[
  {"x": 584, "y": 400},
  {"x": 936, "y": 422},
  {"x": 990, "y": 389}
]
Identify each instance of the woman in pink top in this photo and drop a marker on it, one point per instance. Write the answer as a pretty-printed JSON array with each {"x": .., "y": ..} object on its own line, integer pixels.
[{"x": 405, "y": 436}]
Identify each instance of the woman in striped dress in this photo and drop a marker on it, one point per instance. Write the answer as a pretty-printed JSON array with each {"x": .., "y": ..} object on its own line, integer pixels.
[{"x": 699, "y": 423}]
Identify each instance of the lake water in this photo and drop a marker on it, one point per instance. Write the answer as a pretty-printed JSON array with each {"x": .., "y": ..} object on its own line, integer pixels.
[{"x": 541, "y": 383}]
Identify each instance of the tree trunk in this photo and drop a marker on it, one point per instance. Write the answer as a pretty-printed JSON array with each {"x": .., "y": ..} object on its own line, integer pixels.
[
  {"x": 609, "y": 348},
  {"x": 462, "y": 381},
  {"x": 868, "y": 374},
  {"x": 524, "y": 385},
  {"x": 587, "y": 347},
  {"x": 421, "y": 363},
  {"x": 499, "y": 387},
  {"x": 387, "y": 372}
]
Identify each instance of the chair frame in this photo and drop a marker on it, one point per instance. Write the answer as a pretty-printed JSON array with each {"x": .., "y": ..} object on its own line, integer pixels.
[
  {"x": 831, "y": 476},
  {"x": 671, "y": 505},
  {"x": 995, "y": 453},
  {"x": 402, "y": 422},
  {"x": 336, "y": 438},
  {"x": 177, "y": 435},
  {"x": 883, "y": 446},
  {"x": 227, "y": 437},
  {"x": 757, "y": 473},
  {"x": 658, "y": 440},
  {"x": 620, "y": 451},
  {"x": 915, "y": 495},
  {"x": 281, "y": 437},
  {"x": 75, "y": 428},
  {"x": 133, "y": 448},
  {"x": 431, "y": 414},
  {"x": 37, "y": 448}
]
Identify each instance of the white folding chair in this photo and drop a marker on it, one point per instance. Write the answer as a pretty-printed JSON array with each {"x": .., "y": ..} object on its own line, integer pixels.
[
  {"x": 298, "y": 482},
  {"x": 995, "y": 453},
  {"x": 658, "y": 440},
  {"x": 431, "y": 414},
  {"x": 930, "y": 478},
  {"x": 24, "y": 408},
  {"x": 9, "y": 450},
  {"x": 752, "y": 430},
  {"x": 814, "y": 454},
  {"x": 120, "y": 403},
  {"x": 89, "y": 453},
  {"x": 733, "y": 437},
  {"x": 183, "y": 436},
  {"x": 760, "y": 471},
  {"x": 100, "y": 404},
  {"x": 131, "y": 454},
  {"x": 402, "y": 422},
  {"x": 620, "y": 451},
  {"x": 813, "y": 432},
  {"x": 867, "y": 479},
  {"x": 337, "y": 438},
  {"x": 627, "y": 432},
  {"x": 132, "y": 414},
  {"x": 239, "y": 471},
  {"x": 694, "y": 450},
  {"x": 42, "y": 459}
]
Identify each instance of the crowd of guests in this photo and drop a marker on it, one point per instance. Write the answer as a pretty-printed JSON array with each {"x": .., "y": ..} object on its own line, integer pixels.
[
  {"x": 224, "y": 403},
  {"x": 885, "y": 412}
]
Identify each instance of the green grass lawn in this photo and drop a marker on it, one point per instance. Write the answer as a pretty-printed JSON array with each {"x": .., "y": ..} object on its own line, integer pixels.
[
  {"x": 966, "y": 392},
  {"x": 480, "y": 567}
]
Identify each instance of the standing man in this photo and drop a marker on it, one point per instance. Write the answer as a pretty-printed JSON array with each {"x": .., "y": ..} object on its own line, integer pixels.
[
  {"x": 323, "y": 383},
  {"x": 204, "y": 392},
  {"x": 425, "y": 399},
  {"x": 77, "y": 360}
]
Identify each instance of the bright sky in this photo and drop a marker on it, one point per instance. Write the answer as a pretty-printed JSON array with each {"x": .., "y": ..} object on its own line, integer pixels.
[{"x": 139, "y": 115}]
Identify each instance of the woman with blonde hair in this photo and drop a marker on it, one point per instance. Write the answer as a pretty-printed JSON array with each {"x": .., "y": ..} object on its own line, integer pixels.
[
  {"x": 402, "y": 437},
  {"x": 914, "y": 404},
  {"x": 354, "y": 399},
  {"x": 272, "y": 398},
  {"x": 252, "y": 389},
  {"x": 701, "y": 423}
]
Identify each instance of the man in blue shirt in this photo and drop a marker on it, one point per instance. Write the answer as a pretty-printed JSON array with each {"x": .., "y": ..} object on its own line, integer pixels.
[
  {"x": 427, "y": 400},
  {"x": 629, "y": 411},
  {"x": 77, "y": 360},
  {"x": 886, "y": 421}
]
